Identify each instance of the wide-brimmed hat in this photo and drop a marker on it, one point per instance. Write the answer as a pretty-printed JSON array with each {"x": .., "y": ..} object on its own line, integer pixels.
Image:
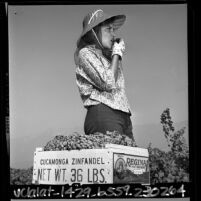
[{"x": 96, "y": 17}]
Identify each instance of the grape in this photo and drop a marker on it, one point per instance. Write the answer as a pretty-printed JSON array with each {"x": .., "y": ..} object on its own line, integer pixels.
[{"x": 78, "y": 141}]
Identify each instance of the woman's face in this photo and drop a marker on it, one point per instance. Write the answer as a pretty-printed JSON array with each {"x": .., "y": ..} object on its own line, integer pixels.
[{"x": 107, "y": 35}]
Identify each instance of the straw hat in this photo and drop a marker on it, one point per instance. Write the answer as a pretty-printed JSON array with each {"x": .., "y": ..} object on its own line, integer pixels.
[{"x": 96, "y": 17}]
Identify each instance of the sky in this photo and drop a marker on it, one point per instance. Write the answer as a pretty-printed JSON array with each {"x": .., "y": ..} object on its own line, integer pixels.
[{"x": 44, "y": 98}]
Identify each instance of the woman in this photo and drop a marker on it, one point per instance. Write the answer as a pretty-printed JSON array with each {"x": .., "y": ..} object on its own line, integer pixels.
[{"x": 99, "y": 75}]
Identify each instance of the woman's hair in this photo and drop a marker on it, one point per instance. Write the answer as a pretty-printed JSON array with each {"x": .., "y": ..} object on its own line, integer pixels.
[{"x": 90, "y": 39}]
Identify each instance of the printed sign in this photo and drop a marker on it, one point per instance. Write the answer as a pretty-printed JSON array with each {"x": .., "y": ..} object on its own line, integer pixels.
[
  {"x": 67, "y": 167},
  {"x": 113, "y": 164},
  {"x": 131, "y": 169}
]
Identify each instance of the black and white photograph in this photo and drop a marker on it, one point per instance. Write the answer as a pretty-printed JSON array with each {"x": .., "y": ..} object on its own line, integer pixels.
[{"x": 98, "y": 94}]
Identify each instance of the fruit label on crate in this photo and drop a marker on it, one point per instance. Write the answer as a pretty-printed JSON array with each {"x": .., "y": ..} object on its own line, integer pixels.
[
  {"x": 76, "y": 166},
  {"x": 130, "y": 169}
]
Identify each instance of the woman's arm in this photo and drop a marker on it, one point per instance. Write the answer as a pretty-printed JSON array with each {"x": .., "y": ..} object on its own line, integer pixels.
[
  {"x": 114, "y": 65},
  {"x": 99, "y": 76},
  {"x": 117, "y": 52}
]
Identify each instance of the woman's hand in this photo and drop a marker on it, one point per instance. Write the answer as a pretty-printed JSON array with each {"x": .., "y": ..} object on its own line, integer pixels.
[{"x": 118, "y": 48}]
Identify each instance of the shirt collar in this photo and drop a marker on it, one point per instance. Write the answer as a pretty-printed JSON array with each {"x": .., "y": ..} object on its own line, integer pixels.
[{"x": 99, "y": 51}]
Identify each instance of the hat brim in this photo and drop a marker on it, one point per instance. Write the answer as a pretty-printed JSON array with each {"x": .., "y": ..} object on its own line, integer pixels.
[{"x": 116, "y": 20}]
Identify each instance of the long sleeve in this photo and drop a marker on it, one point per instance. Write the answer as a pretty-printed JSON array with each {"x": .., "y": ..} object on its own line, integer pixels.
[
  {"x": 96, "y": 82},
  {"x": 101, "y": 77}
]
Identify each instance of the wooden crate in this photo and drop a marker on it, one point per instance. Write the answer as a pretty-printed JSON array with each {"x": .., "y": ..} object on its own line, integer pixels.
[{"x": 112, "y": 164}]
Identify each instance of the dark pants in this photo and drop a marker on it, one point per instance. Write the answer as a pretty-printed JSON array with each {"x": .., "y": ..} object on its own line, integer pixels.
[{"x": 101, "y": 118}]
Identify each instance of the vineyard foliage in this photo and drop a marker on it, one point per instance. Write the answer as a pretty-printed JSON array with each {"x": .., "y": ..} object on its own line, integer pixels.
[
  {"x": 169, "y": 166},
  {"x": 173, "y": 165}
]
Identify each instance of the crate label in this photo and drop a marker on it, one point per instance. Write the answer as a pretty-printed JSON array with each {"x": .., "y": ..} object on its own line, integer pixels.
[
  {"x": 67, "y": 167},
  {"x": 130, "y": 169}
]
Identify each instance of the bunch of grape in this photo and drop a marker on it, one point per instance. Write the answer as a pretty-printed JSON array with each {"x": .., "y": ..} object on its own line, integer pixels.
[{"x": 78, "y": 141}]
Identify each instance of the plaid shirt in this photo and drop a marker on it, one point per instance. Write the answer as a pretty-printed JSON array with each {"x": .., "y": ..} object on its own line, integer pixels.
[{"x": 96, "y": 82}]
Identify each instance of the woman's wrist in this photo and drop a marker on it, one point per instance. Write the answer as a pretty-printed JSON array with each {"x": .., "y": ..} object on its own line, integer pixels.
[
  {"x": 117, "y": 52},
  {"x": 116, "y": 56}
]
